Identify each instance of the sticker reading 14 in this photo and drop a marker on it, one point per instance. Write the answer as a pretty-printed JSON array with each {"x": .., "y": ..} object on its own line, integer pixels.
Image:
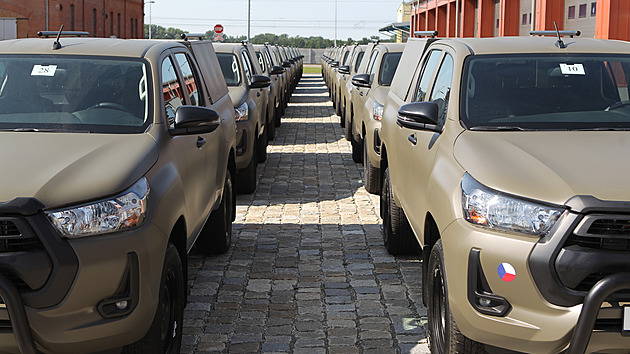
[
  {"x": 44, "y": 70},
  {"x": 572, "y": 69}
]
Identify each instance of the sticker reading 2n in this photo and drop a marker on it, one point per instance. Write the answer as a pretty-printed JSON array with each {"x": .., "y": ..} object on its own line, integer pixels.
[
  {"x": 44, "y": 70},
  {"x": 572, "y": 69}
]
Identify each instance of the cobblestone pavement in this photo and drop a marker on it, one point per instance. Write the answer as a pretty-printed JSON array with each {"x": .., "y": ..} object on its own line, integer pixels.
[{"x": 307, "y": 271}]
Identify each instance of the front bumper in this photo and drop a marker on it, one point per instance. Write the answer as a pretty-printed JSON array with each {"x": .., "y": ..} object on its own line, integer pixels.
[
  {"x": 74, "y": 309},
  {"x": 530, "y": 322},
  {"x": 245, "y": 139}
]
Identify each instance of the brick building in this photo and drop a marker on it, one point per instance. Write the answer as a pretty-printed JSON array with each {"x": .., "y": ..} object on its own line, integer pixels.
[
  {"x": 608, "y": 19},
  {"x": 101, "y": 18}
]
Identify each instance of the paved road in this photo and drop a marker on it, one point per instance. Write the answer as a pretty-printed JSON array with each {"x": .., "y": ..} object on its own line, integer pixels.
[{"x": 307, "y": 271}]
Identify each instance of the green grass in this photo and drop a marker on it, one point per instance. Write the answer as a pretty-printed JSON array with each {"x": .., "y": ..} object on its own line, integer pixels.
[{"x": 312, "y": 69}]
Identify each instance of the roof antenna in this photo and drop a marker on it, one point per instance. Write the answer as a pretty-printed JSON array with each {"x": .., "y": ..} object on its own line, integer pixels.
[
  {"x": 560, "y": 44},
  {"x": 56, "y": 44}
]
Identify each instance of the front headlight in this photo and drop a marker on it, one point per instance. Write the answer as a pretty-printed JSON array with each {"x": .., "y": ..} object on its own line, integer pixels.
[
  {"x": 485, "y": 207},
  {"x": 377, "y": 111},
  {"x": 242, "y": 112},
  {"x": 125, "y": 211}
]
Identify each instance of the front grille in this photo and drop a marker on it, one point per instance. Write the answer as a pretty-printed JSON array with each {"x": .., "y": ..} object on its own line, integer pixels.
[
  {"x": 8, "y": 228},
  {"x": 603, "y": 232},
  {"x": 610, "y": 227},
  {"x": 621, "y": 244}
]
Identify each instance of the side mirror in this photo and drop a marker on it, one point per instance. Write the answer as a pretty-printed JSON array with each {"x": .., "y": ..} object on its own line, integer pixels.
[
  {"x": 260, "y": 81},
  {"x": 286, "y": 64},
  {"x": 361, "y": 80},
  {"x": 334, "y": 64},
  {"x": 195, "y": 120},
  {"x": 344, "y": 69},
  {"x": 419, "y": 116},
  {"x": 276, "y": 70}
]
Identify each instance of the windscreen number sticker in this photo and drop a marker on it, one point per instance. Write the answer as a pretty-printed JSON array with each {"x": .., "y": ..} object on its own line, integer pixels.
[
  {"x": 44, "y": 70},
  {"x": 572, "y": 69}
]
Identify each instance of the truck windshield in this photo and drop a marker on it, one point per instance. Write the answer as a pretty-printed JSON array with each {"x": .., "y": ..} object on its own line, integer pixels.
[
  {"x": 73, "y": 94},
  {"x": 546, "y": 92}
]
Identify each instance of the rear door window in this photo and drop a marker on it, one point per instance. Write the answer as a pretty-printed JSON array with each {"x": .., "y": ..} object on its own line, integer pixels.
[
  {"x": 388, "y": 68},
  {"x": 191, "y": 82}
]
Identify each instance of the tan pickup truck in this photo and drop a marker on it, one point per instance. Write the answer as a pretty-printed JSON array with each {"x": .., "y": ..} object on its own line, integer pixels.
[
  {"x": 505, "y": 160},
  {"x": 119, "y": 156}
]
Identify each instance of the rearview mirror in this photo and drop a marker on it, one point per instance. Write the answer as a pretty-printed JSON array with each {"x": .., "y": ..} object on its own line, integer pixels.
[
  {"x": 195, "y": 120},
  {"x": 361, "y": 80},
  {"x": 419, "y": 116}
]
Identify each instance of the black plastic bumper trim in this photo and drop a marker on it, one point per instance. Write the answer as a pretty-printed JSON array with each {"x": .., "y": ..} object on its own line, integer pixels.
[
  {"x": 479, "y": 290},
  {"x": 592, "y": 303},
  {"x": 19, "y": 321}
]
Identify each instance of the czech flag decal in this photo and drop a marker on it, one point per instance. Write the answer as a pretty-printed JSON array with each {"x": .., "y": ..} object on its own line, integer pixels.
[{"x": 506, "y": 272}]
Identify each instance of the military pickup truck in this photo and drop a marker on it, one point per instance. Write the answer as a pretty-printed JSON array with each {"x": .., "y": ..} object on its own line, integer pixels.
[
  {"x": 119, "y": 156},
  {"x": 505, "y": 161}
]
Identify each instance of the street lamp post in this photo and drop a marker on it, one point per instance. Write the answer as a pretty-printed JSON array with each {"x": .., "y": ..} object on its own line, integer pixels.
[
  {"x": 150, "y": 23},
  {"x": 249, "y": 21},
  {"x": 335, "y": 23}
]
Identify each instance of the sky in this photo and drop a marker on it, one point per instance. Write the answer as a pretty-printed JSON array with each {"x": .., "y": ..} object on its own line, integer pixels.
[{"x": 355, "y": 18}]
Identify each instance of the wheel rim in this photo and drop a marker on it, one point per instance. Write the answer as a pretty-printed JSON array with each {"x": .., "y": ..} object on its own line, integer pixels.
[
  {"x": 169, "y": 312},
  {"x": 438, "y": 312}
]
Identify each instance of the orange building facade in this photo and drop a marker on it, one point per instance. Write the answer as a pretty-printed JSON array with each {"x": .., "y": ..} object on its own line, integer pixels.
[
  {"x": 607, "y": 19},
  {"x": 101, "y": 18}
]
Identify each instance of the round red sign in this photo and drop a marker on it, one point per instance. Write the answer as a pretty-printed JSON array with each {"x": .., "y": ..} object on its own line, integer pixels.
[{"x": 218, "y": 29}]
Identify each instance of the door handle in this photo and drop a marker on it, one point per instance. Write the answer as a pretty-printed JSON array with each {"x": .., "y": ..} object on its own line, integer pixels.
[
  {"x": 258, "y": 94},
  {"x": 412, "y": 139},
  {"x": 201, "y": 141},
  {"x": 360, "y": 93}
]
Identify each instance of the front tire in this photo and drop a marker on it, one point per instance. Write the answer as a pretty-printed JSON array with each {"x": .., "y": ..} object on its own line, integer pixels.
[
  {"x": 216, "y": 235},
  {"x": 444, "y": 335},
  {"x": 247, "y": 176},
  {"x": 165, "y": 333},
  {"x": 370, "y": 174},
  {"x": 397, "y": 234},
  {"x": 262, "y": 146}
]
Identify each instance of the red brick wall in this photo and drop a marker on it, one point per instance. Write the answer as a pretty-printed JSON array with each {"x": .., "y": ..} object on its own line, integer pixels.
[{"x": 98, "y": 17}]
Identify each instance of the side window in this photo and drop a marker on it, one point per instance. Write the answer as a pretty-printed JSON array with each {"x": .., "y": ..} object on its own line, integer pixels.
[
  {"x": 171, "y": 90},
  {"x": 427, "y": 74},
  {"x": 345, "y": 57},
  {"x": 359, "y": 58},
  {"x": 247, "y": 66},
  {"x": 371, "y": 62},
  {"x": 261, "y": 61},
  {"x": 268, "y": 59},
  {"x": 190, "y": 78},
  {"x": 442, "y": 87}
]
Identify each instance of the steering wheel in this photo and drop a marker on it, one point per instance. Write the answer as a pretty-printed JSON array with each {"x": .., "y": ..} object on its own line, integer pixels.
[{"x": 110, "y": 105}]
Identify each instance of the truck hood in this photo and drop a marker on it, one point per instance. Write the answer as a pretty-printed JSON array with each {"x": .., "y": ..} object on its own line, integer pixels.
[
  {"x": 238, "y": 95},
  {"x": 548, "y": 166},
  {"x": 68, "y": 168},
  {"x": 379, "y": 93}
]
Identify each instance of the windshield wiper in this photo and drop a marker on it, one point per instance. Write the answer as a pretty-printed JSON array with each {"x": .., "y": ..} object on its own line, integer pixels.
[
  {"x": 617, "y": 105},
  {"x": 498, "y": 128},
  {"x": 40, "y": 130}
]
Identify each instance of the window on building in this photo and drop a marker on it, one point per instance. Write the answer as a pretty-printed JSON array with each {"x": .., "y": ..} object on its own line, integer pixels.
[
  {"x": 571, "y": 12},
  {"x": 93, "y": 22},
  {"x": 593, "y": 8},
  {"x": 118, "y": 25},
  {"x": 497, "y": 23},
  {"x": 71, "y": 18},
  {"x": 132, "y": 35},
  {"x": 530, "y": 19},
  {"x": 524, "y": 21},
  {"x": 138, "y": 30},
  {"x": 111, "y": 23},
  {"x": 582, "y": 10}
]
